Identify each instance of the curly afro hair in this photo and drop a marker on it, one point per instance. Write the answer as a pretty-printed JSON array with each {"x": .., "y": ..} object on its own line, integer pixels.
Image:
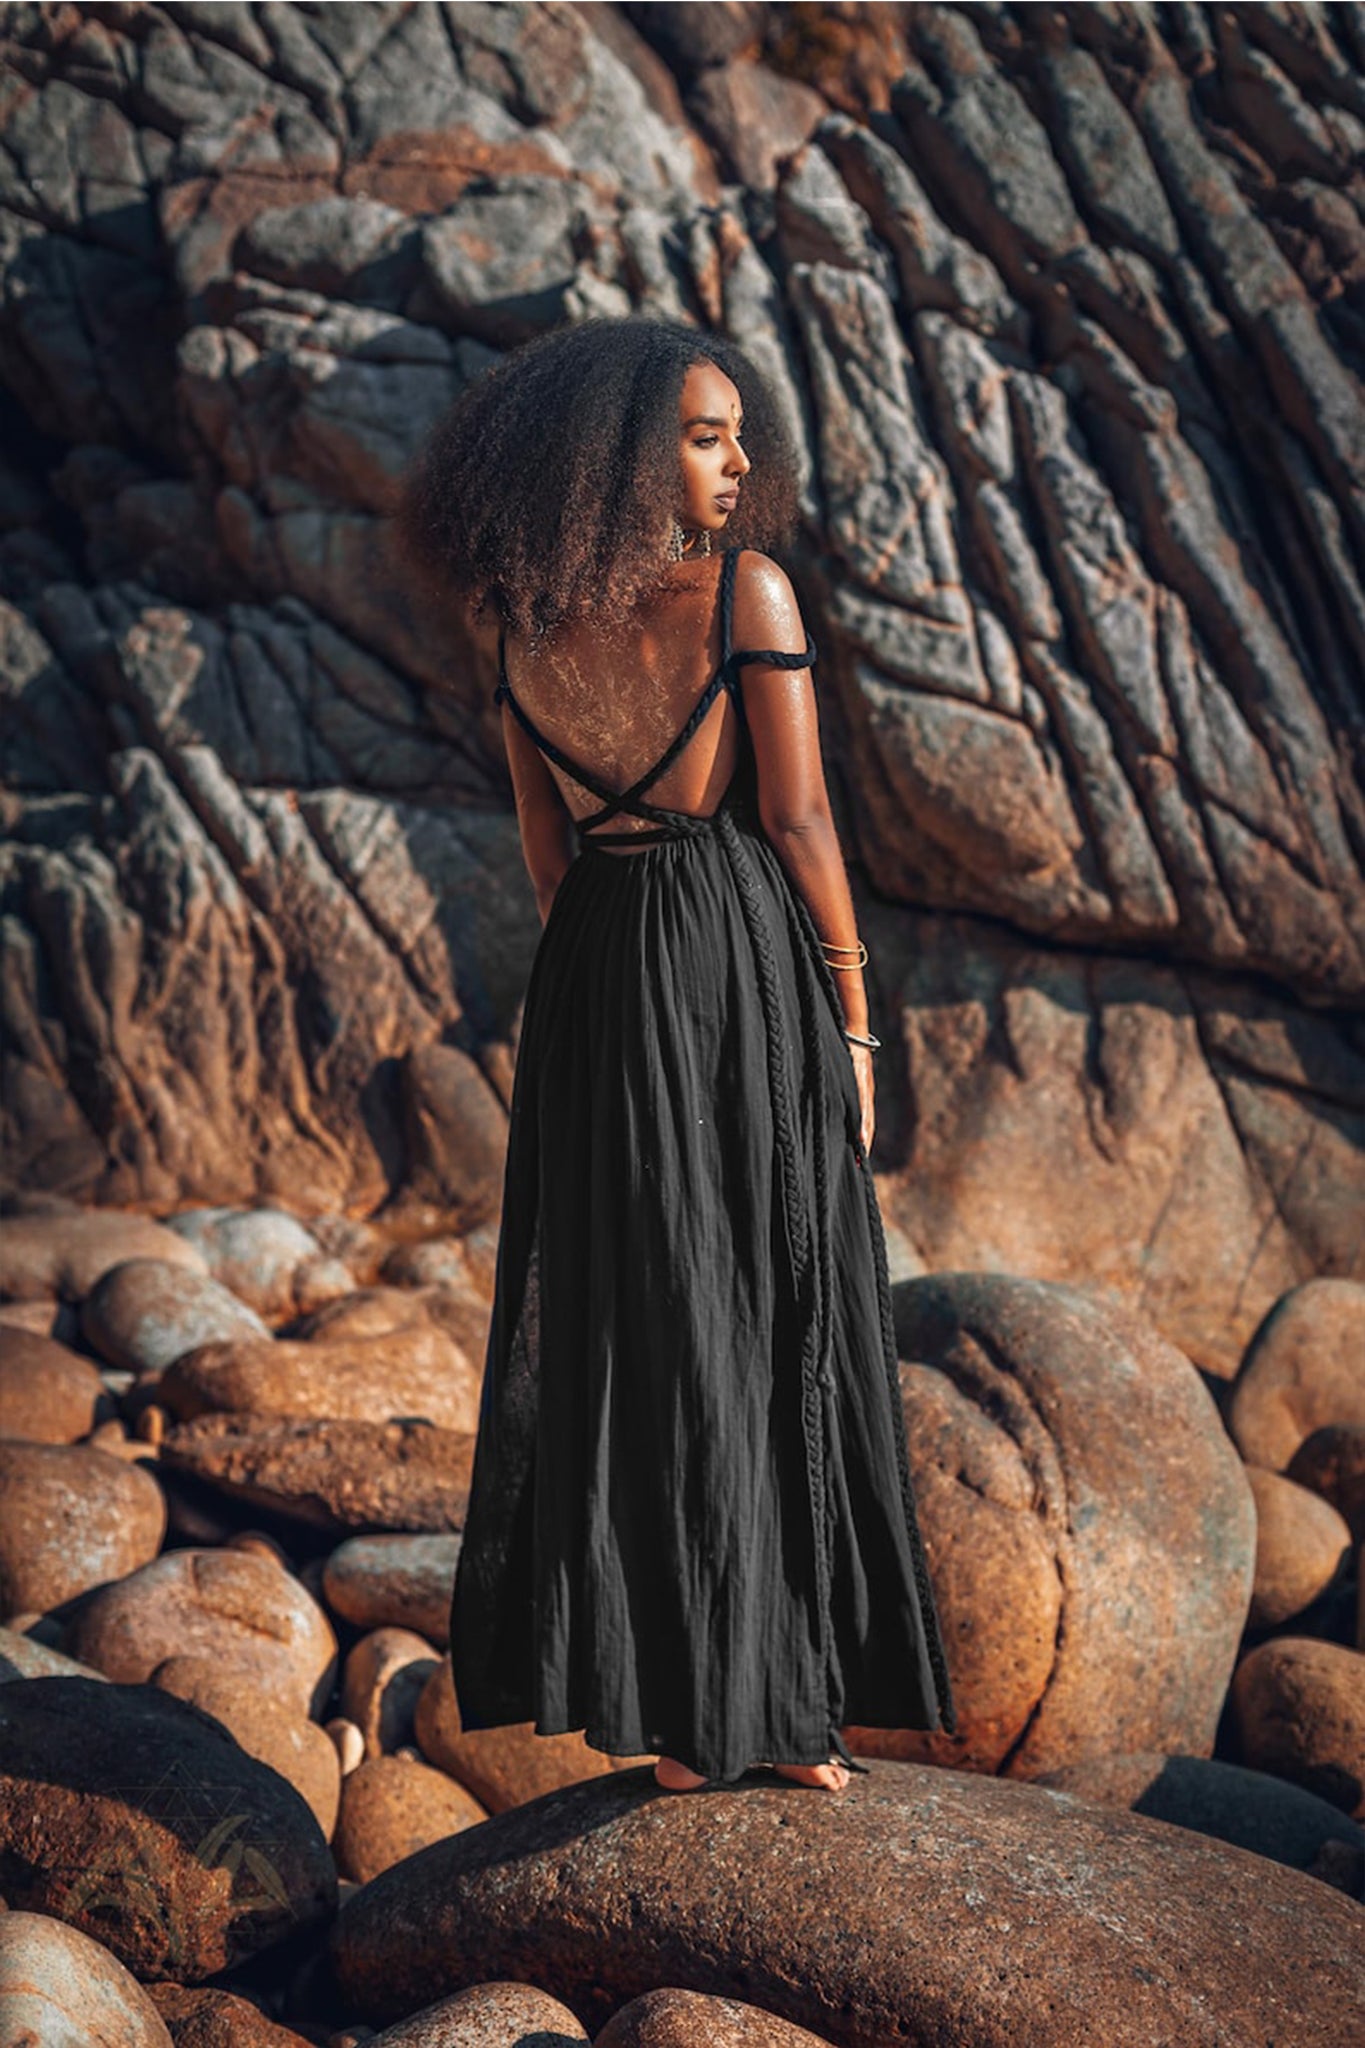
[{"x": 546, "y": 489}]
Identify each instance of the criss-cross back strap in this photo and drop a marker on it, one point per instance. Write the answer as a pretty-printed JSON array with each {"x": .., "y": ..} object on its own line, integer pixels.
[
  {"x": 631, "y": 799},
  {"x": 735, "y": 658}
]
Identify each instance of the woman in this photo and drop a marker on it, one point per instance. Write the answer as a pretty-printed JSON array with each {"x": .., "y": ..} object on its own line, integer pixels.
[{"x": 690, "y": 1528}]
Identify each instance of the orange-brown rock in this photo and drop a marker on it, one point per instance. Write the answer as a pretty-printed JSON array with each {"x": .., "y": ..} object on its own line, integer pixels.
[
  {"x": 131, "y": 1815},
  {"x": 1302, "y": 1546},
  {"x": 275, "y": 1734},
  {"x": 1331, "y": 1463},
  {"x": 502, "y": 1767},
  {"x": 492, "y": 2013},
  {"x": 394, "y": 1581},
  {"x": 52, "y": 1246},
  {"x": 48, "y": 1393},
  {"x": 409, "y": 1374},
  {"x": 390, "y": 1808},
  {"x": 71, "y": 1517},
  {"x": 241, "y": 1610},
  {"x": 680, "y": 2019},
  {"x": 1298, "y": 1707},
  {"x": 200, "y": 2017},
  {"x": 381, "y": 1682},
  {"x": 1304, "y": 1370},
  {"x": 334, "y": 1476},
  {"x": 917, "y": 1906},
  {"x": 1090, "y": 1529}
]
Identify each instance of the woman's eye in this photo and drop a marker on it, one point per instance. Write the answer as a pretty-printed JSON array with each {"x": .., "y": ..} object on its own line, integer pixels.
[{"x": 709, "y": 441}]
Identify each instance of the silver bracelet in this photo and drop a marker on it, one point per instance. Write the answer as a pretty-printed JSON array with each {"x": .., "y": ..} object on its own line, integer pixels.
[{"x": 875, "y": 1043}]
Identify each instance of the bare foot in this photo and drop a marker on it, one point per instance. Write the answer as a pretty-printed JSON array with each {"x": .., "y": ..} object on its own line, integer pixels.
[
  {"x": 832, "y": 1776},
  {"x": 675, "y": 1777}
]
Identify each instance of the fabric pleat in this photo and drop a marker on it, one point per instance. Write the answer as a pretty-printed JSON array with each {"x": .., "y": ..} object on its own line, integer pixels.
[{"x": 691, "y": 1527}]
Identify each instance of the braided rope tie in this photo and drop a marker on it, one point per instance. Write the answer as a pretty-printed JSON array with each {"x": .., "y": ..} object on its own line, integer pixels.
[
  {"x": 812, "y": 1280},
  {"x": 890, "y": 1356}
]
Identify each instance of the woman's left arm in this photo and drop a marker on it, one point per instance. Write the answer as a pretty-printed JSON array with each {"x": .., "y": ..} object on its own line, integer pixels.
[{"x": 548, "y": 841}]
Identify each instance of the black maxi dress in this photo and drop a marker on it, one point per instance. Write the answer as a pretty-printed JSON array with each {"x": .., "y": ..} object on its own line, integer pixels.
[{"x": 691, "y": 1527}]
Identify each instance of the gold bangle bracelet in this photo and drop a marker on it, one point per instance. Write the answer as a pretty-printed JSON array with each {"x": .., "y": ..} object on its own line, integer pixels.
[
  {"x": 845, "y": 966},
  {"x": 860, "y": 949}
]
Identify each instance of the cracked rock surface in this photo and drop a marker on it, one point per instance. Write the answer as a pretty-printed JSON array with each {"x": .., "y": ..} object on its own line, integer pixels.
[{"x": 1067, "y": 308}]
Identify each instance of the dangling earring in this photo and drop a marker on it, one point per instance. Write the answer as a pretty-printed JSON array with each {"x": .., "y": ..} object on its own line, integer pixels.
[{"x": 677, "y": 541}]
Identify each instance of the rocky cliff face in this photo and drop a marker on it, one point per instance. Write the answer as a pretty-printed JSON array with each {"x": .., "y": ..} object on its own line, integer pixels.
[{"x": 1067, "y": 305}]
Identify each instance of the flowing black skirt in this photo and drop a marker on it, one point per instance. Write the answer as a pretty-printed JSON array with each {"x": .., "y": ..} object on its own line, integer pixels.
[{"x": 691, "y": 1528}]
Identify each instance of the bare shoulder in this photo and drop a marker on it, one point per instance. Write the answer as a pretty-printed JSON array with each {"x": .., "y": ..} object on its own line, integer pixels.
[{"x": 767, "y": 614}]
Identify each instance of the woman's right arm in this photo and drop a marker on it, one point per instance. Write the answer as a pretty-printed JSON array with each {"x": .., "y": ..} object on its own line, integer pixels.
[{"x": 793, "y": 800}]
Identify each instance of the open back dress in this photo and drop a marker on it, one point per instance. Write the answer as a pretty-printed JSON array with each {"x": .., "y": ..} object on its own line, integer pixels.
[{"x": 691, "y": 1527}]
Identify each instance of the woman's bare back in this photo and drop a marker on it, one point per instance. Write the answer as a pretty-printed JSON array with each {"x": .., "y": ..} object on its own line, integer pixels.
[{"x": 614, "y": 699}]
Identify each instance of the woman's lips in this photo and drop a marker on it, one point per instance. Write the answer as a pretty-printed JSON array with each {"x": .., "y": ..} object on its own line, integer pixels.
[{"x": 729, "y": 499}]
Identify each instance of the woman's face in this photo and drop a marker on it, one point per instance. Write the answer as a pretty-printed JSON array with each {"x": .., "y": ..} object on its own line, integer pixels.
[{"x": 713, "y": 461}]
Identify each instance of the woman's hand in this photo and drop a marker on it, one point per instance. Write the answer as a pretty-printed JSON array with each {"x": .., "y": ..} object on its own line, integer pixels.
[{"x": 862, "y": 1068}]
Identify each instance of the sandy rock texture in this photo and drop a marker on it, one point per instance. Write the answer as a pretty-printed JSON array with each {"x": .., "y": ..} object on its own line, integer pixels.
[
  {"x": 1091, "y": 1529},
  {"x": 1064, "y": 306},
  {"x": 871, "y": 1918},
  {"x": 137, "y": 1819}
]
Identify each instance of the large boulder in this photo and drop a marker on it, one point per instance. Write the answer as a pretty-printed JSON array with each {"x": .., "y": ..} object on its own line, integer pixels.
[
  {"x": 137, "y": 1819},
  {"x": 920, "y": 1905},
  {"x": 1091, "y": 1529}
]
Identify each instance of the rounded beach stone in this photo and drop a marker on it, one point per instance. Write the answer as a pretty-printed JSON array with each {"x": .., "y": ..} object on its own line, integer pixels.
[
  {"x": 49, "y": 1246},
  {"x": 394, "y": 1581},
  {"x": 143, "y": 1313},
  {"x": 487, "y": 2016},
  {"x": 71, "y": 1517},
  {"x": 502, "y": 1767},
  {"x": 21, "y": 1656},
  {"x": 130, "y": 1814},
  {"x": 240, "y": 1609},
  {"x": 1066, "y": 1438},
  {"x": 61, "y": 1989},
  {"x": 382, "y": 1680},
  {"x": 401, "y": 1374},
  {"x": 348, "y": 1742},
  {"x": 200, "y": 2017},
  {"x": 1250, "y": 1809},
  {"x": 265, "y": 1257},
  {"x": 296, "y": 1747},
  {"x": 1331, "y": 1463},
  {"x": 1304, "y": 1370},
  {"x": 1302, "y": 1545},
  {"x": 333, "y": 1476},
  {"x": 681, "y": 2019},
  {"x": 392, "y": 1807},
  {"x": 1298, "y": 1706},
  {"x": 919, "y": 1905},
  {"x": 48, "y": 1394}
]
